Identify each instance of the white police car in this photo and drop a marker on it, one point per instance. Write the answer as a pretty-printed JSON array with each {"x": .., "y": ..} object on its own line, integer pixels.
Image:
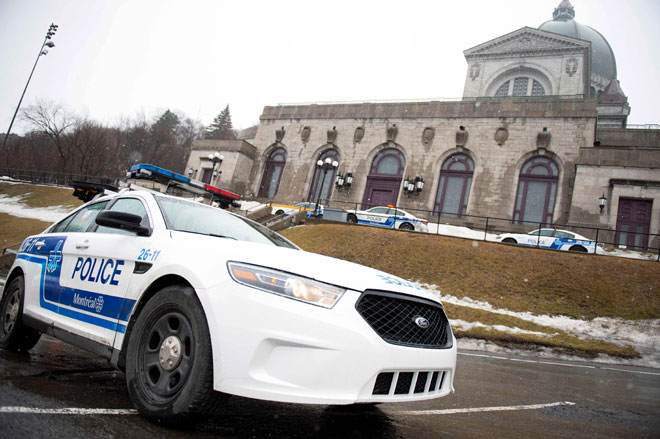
[
  {"x": 387, "y": 216},
  {"x": 553, "y": 239},
  {"x": 193, "y": 303}
]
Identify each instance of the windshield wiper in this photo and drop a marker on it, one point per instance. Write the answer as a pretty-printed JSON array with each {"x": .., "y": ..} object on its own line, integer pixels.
[
  {"x": 220, "y": 236},
  {"x": 207, "y": 234}
]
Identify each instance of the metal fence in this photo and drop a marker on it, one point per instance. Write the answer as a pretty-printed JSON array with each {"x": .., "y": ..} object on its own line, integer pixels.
[
  {"x": 487, "y": 228},
  {"x": 53, "y": 178}
]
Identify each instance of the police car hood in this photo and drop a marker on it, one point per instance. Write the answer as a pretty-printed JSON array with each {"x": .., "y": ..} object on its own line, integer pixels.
[{"x": 323, "y": 268}]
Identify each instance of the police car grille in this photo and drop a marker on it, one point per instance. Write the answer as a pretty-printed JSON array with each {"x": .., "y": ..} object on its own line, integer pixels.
[{"x": 393, "y": 317}]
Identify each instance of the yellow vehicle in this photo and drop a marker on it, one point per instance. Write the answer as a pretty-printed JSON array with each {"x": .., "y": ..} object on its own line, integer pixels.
[{"x": 288, "y": 209}]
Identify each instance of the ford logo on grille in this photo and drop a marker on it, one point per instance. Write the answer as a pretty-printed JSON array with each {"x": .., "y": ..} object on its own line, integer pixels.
[{"x": 422, "y": 322}]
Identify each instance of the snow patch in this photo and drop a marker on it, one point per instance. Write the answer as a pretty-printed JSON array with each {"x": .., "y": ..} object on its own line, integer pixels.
[
  {"x": 15, "y": 207},
  {"x": 643, "y": 335},
  {"x": 457, "y": 323}
]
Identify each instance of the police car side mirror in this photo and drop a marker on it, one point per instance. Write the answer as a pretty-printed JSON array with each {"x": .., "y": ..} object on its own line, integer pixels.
[{"x": 123, "y": 221}]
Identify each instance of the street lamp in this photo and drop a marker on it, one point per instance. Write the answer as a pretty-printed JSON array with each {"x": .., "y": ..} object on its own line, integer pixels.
[
  {"x": 344, "y": 182},
  {"x": 43, "y": 50},
  {"x": 413, "y": 187},
  {"x": 216, "y": 157},
  {"x": 325, "y": 165},
  {"x": 601, "y": 202}
]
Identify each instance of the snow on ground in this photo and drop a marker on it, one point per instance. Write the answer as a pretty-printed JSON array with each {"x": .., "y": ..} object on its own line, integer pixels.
[
  {"x": 457, "y": 323},
  {"x": 15, "y": 207},
  {"x": 643, "y": 335}
]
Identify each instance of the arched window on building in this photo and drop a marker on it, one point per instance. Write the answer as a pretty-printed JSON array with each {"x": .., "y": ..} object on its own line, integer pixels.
[
  {"x": 317, "y": 180},
  {"x": 270, "y": 181},
  {"x": 384, "y": 180},
  {"x": 520, "y": 86},
  {"x": 537, "y": 190},
  {"x": 454, "y": 186}
]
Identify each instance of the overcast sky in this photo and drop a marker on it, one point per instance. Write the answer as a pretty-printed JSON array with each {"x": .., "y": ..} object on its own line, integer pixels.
[{"x": 117, "y": 58}]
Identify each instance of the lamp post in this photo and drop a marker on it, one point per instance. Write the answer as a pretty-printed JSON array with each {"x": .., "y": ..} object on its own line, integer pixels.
[
  {"x": 325, "y": 165},
  {"x": 43, "y": 50},
  {"x": 216, "y": 157}
]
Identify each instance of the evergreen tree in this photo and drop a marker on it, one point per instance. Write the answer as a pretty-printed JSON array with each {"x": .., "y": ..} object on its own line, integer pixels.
[
  {"x": 221, "y": 128},
  {"x": 165, "y": 150}
]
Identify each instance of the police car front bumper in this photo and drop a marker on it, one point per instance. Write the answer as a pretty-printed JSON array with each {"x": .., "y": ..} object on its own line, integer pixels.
[{"x": 278, "y": 349}]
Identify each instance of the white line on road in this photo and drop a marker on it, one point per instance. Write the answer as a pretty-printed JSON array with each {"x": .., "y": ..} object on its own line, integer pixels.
[
  {"x": 486, "y": 409},
  {"x": 554, "y": 363},
  {"x": 67, "y": 411}
]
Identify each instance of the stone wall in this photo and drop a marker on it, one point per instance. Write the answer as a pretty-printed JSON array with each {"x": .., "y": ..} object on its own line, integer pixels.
[
  {"x": 615, "y": 173},
  {"x": 235, "y": 169},
  {"x": 570, "y": 124},
  {"x": 629, "y": 138}
]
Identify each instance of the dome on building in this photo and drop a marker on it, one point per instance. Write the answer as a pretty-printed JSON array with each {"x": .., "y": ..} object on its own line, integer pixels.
[{"x": 603, "y": 63}]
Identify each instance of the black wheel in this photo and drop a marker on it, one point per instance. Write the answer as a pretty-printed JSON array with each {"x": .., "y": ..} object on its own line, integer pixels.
[
  {"x": 577, "y": 249},
  {"x": 351, "y": 218},
  {"x": 509, "y": 241},
  {"x": 14, "y": 335},
  {"x": 406, "y": 226},
  {"x": 169, "y": 364},
  {"x": 279, "y": 212}
]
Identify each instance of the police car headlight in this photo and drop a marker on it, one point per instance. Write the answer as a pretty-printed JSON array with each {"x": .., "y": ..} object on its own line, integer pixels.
[{"x": 286, "y": 284}]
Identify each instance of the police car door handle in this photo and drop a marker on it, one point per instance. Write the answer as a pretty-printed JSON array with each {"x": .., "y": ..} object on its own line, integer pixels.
[
  {"x": 39, "y": 244},
  {"x": 82, "y": 245}
]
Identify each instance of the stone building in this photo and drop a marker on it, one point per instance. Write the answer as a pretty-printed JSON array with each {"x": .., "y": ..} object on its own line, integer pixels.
[{"x": 539, "y": 137}]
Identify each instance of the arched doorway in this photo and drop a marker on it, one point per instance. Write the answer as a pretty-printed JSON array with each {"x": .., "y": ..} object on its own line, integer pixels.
[
  {"x": 384, "y": 180},
  {"x": 454, "y": 186},
  {"x": 317, "y": 180},
  {"x": 537, "y": 189},
  {"x": 270, "y": 182}
]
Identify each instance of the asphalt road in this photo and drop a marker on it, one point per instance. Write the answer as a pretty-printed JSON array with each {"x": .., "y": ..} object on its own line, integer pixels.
[{"x": 60, "y": 391}]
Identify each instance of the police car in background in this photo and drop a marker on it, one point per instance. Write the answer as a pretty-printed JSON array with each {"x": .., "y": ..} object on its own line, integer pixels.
[
  {"x": 195, "y": 303},
  {"x": 553, "y": 239},
  {"x": 388, "y": 216}
]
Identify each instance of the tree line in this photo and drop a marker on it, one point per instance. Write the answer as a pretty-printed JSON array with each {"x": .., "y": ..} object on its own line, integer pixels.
[{"x": 61, "y": 141}]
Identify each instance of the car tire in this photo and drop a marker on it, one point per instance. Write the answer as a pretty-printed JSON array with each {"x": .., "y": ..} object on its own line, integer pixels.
[
  {"x": 14, "y": 335},
  {"x": 406, "y": 226},
  {"x": 351, "y": 218},
  {"x": 279, "y": 212},
  {"x": 577, "y": 249},
  {"x": 169, "y": 362},
  {"x": 509, "y": 241}
]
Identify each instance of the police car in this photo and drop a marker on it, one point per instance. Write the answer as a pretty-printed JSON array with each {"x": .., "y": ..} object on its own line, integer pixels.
[
  {"x": 553, "y": 239},
  {"x": 288, "y": 209},
  {"x": 195, "y": 303},
  {"x": 387, "y": 216}
]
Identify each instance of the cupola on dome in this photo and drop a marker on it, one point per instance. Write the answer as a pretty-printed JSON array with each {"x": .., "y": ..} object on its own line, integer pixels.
[{"x": 603, "y": 63}]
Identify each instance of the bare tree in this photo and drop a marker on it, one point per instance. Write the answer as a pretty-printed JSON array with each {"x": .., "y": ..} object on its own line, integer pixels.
[{"x": 53, "y": 120}]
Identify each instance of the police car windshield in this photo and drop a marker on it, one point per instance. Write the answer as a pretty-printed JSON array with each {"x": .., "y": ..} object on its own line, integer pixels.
[{"x": 186, "y": 216}]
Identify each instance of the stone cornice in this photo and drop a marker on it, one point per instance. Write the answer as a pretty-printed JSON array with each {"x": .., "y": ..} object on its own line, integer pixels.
[
  {"x": 527, "y": 42},
  {"x": 506, "y": 107},
  {"x": 240, "y": 146}
]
